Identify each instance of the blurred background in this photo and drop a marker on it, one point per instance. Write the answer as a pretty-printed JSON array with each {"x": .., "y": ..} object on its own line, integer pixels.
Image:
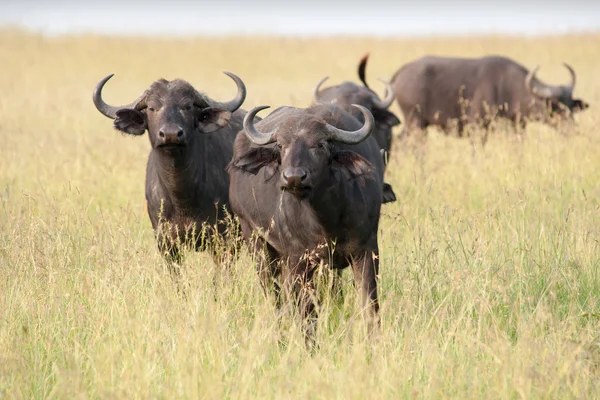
[{"x": 306, "y": 18}]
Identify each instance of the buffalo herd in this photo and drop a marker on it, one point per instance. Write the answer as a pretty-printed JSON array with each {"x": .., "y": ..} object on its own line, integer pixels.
[{"x": 306, "y": 185}]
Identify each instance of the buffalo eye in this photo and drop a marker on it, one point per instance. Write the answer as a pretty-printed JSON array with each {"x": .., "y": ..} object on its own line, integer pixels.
[
  {"x": 151, "y": 109},
  {"x": 319, "y": 147},
  {"x": 187, "y": 107}
]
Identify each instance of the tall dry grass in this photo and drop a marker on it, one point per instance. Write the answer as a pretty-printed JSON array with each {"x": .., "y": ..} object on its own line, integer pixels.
[{"x": 489, "y": 279}]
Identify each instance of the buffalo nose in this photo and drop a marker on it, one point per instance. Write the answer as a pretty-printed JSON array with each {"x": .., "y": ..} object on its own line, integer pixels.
[
  {"x": 171, "y": 134},
  {"x": 294, "y": 176}
]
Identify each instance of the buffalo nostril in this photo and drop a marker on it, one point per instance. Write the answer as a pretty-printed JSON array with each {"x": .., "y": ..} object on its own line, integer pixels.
[
  {"x": 161, "y": 134},
  {"x": 180, "y": 133}
]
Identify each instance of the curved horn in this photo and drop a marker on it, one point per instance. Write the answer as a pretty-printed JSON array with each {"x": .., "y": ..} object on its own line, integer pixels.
[
  {"x": 573, "y": 76},
  {"x": 108, "y": 110},
  {"x": 389, "y": 96},
  {"x": 354, "y": 137},
  {"x": 543, "y": 93},
  {"x": 254, "y": 134},
  {"x": 237, "y": 102},
  {"x": 316, "y": 89}
]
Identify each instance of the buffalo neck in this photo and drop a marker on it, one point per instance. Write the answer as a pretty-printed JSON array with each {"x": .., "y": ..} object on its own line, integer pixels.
[
  {"x": 327, "y": 201},
  {"x": 319, "y": 211},
  {"x": 181, "y": 172}
]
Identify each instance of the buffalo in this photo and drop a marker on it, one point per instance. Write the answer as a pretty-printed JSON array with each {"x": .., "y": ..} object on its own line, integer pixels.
[
  {"x": 306, "y": 185},
  {"x": 191, "y": 138},
  {"x": 452, "y": 92},
  {"x": 347, "y": 93}
]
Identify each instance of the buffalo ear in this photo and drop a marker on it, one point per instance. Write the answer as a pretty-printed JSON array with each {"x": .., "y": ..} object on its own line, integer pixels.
[
  {"x": 580, "y": 105},
  {"x": 385, "y": 117},
  {"x": 256, "y": 158},
  {"x": 353, "y": 163},
  {"x": 212, "y": 118},
  {"x": 388, "y": 194},
  {"x": 130, "y": 121}
]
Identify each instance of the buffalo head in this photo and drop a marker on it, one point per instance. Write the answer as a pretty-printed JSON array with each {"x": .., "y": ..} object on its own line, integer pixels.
[
  {"x": 303, "y": 149},
  {"x": 351, "y": 93},
  {"x": 171, "y": 111},
  {"x": 558, "y": 99},
  {"x": 348, "y": 93}
]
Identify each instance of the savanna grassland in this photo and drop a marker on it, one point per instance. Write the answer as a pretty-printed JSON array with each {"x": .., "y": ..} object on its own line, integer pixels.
[{"x": 490, "y": 282}]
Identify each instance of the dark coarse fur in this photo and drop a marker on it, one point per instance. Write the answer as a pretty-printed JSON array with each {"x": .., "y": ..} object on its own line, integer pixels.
[
  {"x": 186, "y": 185},
  {"x": 347, "y": 93},
  {"x": 298, "y": 230},
  {"x": 429, "y": 92}
]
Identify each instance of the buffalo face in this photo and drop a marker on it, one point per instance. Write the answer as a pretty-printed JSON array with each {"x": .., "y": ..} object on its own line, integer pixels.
[
  {"x": 565, "y": 106},
  {"x": 171, "y": 111},
  {"x": 304, "y": 160},
  {"x": 304, "y": 153},
  {"x": 559, "y": 101}
]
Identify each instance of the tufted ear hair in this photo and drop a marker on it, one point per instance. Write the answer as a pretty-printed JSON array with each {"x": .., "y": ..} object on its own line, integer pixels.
[
  {"x": 386, "y": 117},
  {"x": 130, "y": 121},
  {"x": 257, "y": 158},
  {"x": 352, "y": 163},
  {"x": 212, "y": 118},
  {"x": 388, "y": 194}
]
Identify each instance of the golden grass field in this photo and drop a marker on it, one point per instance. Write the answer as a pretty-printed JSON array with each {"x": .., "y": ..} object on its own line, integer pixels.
[{"x": 490, "y": 281}]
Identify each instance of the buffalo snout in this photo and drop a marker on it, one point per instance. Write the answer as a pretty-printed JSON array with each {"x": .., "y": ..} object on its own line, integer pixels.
[
  {"x": 294, "y": 178},
  {"x": 171, "y": 134}
]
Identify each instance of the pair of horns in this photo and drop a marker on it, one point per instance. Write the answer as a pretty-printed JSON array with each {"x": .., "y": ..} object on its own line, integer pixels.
[
  {"x": 546, "y": 91},
  {"x": 340, "y": 135},
  {"x": 140, "y": 103}
]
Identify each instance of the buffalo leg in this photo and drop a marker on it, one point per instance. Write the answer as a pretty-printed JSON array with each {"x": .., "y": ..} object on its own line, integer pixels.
[
  {"x": 266, "y": 267},
  {"x": 266, "y": 259},
  {"x": 298, "y": 290},
  {"x": 366, "y": 269},
  {"x": 224, "y": 240},
  {"x": 173, "y": 257},
  {"x": 520, "y": 127}
]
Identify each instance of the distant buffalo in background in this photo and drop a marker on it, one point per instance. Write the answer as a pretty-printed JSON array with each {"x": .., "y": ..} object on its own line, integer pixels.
[
  {"x": 347, "y": 93},
  {"x": 451, "y": 92},
  {"x": 192, "y": 142}
]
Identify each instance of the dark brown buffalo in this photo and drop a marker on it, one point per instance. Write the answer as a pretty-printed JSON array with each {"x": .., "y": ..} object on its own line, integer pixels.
[
  {"x": 432, "y": 90},
  {"x": 309, "y": 183},
  {"x": 192, "y": 141},
  {"x": 347, "y": 93}
]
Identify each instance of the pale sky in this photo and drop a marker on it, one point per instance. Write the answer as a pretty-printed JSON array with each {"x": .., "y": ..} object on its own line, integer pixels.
[{"x": 309, "y": 17}]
